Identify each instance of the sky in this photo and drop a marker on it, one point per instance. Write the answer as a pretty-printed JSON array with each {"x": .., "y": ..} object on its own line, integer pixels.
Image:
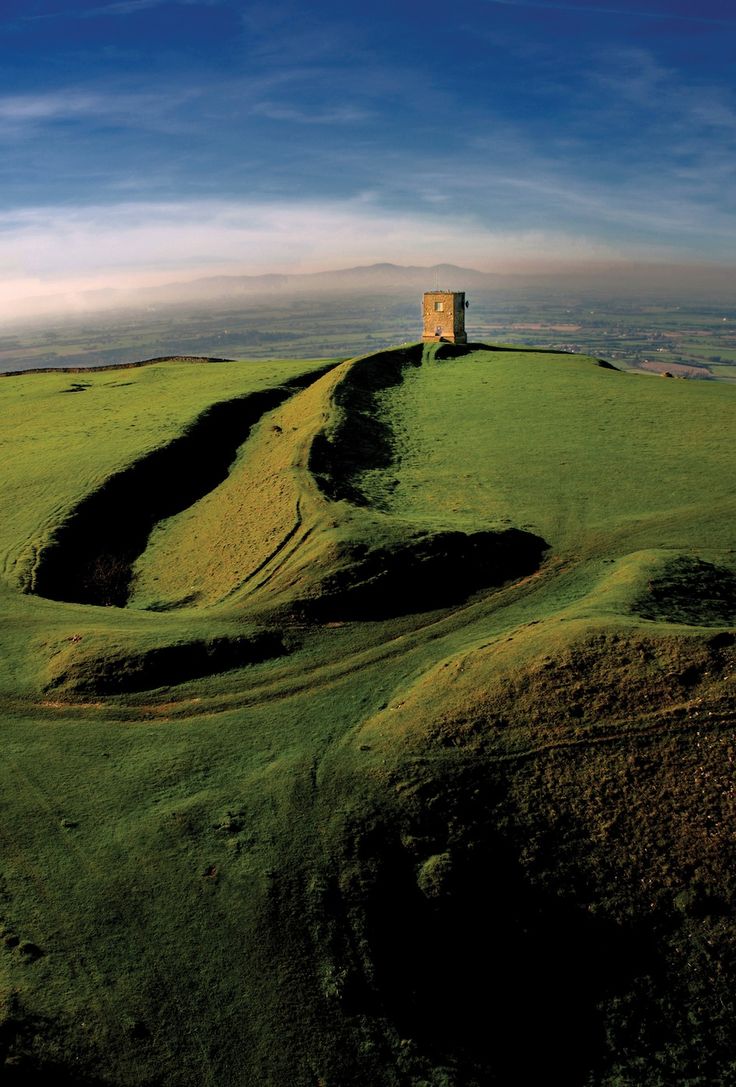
[{"x": 149, "y": 141}]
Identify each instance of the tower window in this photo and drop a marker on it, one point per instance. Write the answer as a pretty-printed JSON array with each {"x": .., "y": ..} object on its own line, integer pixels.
[{"x": 439, "y": 307}]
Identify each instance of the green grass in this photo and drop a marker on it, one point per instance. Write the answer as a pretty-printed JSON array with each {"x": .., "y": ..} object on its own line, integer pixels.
[
  {"x": 218, "y": 547},
  {"x": 587, "y": 457},
  {"x": 58, "y": 444},
  {"x": 291, "y": 873},
  {"x": 727, "y": 371}
]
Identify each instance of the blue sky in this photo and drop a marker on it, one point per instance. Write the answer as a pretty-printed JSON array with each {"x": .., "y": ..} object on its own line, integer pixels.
[{"x": 150, "y": 140}]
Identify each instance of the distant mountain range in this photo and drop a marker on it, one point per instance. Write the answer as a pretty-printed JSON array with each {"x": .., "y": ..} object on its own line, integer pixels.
[
  {"x": 383, "y": 277},
  {"x": 614, "y": 279},
  {"x": 375, "y": 276}
]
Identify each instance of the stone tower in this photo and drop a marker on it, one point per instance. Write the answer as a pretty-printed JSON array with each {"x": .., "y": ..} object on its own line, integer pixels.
[{"x": 444, "y": 316}]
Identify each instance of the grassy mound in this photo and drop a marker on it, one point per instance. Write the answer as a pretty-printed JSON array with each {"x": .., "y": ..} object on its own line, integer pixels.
[
  {"x": 422, "y": 573},
  {"x": 689, "y": 590},
  {"x": 58, "y": 448},
  {"x": 579, "y": 454},
  {"x": 540, "y": 815},
  {"x": 230, "y": 541},
  {"x": 360, "y": 436},
  {"x": 418, "y": 725},
  {"x": 284, "y": 525},
  {"x": 89, "y": 558},
  {"x": 166, "y": 665}
]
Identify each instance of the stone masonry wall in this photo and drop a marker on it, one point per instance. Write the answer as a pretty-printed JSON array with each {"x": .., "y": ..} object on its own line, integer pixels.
[{"x": 448, "y": 323}]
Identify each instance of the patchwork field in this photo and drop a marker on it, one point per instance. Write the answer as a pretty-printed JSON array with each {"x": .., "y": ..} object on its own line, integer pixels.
[{"x": 356, "y": 713}]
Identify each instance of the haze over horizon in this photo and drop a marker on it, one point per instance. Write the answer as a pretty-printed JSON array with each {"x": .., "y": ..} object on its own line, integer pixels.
[{"x": 155, "y": 141}]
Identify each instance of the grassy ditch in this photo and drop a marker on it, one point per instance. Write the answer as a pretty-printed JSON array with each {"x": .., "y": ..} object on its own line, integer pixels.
[{"x": 90, "y": 558}]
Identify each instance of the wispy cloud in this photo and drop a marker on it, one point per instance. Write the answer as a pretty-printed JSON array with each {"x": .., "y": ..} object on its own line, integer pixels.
[
  {"x": 334, "y": 115},
  {"x": 118, "y": 7},
  {"x": 629, "y": 12},
  {"x": 24, "y": 108},
  {"x": 664, "y": 128},
  {"x": 128, "y": 7},
  {"x": 26, "y": 112},
  {"x": 288, "y": 33},
  {"x": 636, "y": 77}
]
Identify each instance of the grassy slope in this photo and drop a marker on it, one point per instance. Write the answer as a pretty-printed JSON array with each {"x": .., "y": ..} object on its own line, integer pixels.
[
  {"x": 223, "y": 543},
  {"x": 579, "y": 453},
  {"x": 222, "y": 876},
  {"x": 57, "y": 444}
]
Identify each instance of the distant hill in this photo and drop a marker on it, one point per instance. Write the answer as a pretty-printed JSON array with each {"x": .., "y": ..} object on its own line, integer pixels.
[
  {"x": 606, "y": 280},
  {"x": 376, "y": 276},
  {"x": 213, "y": 288}
]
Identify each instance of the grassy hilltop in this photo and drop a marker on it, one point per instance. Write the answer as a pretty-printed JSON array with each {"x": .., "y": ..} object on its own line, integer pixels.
[{"x": 337, "y": 693}]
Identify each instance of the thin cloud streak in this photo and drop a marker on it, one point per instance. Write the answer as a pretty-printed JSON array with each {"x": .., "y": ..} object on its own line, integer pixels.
[
  {"x": 118, "y": 7},
  {"x": 27, "y": 113},
  {"x": 338, "y": 115},
  {"x": 19, "y": 109},
  {"x": 585, "y": 9}
]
